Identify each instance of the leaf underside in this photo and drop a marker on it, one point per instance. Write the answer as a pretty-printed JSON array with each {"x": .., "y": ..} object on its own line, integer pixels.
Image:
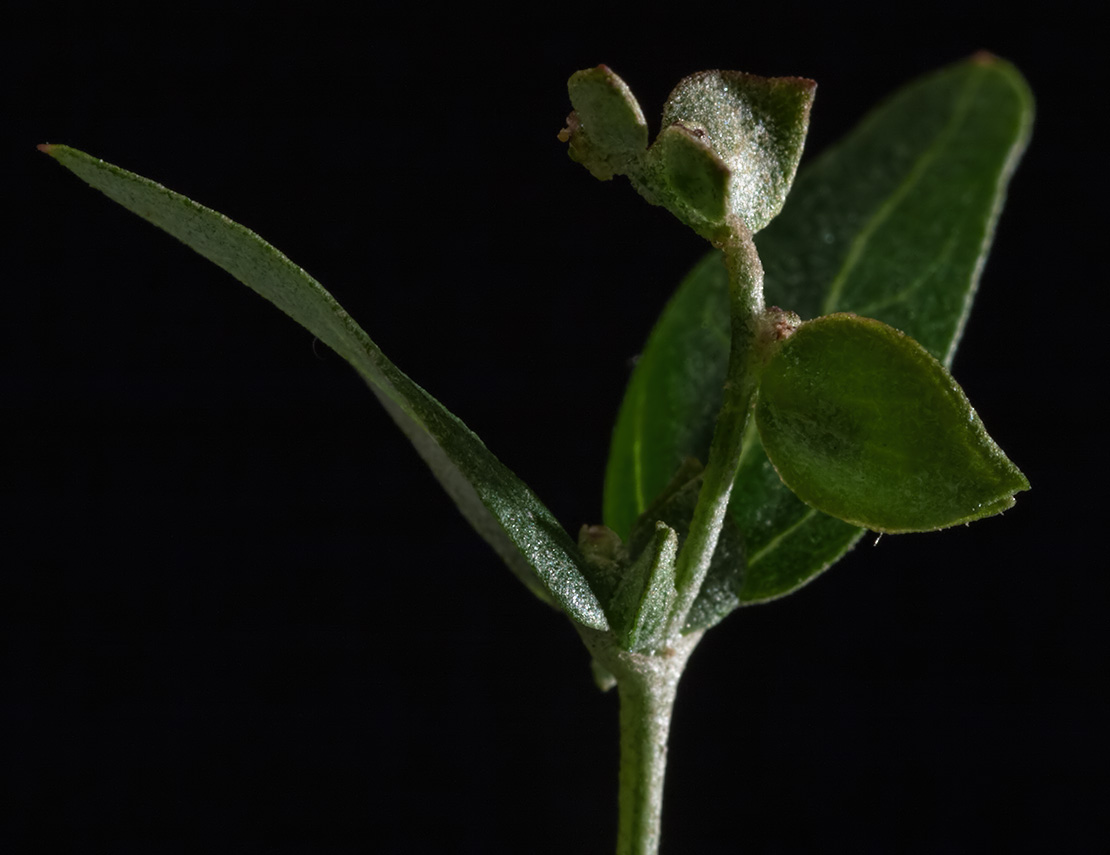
[
  {"x": 497, "y": 503},
  {"x": 894, "y": 223}
]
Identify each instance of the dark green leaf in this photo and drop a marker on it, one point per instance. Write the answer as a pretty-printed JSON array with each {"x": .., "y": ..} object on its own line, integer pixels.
[
  {"x": 865, "y": 425},
  {"x": 674, "y": 507},
  {"x": 896, "y": 221},
  {"x": 787, "y": 542},
  {"x": 499, "y": 506},
  {"x": 672, "y": 399},
  {"x": 969, "y": 122}
]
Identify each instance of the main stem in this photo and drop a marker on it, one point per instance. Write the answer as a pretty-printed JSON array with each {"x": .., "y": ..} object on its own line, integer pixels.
[
  {"x": 646, "y": 685},
  {"x": 645, "y": 721}
]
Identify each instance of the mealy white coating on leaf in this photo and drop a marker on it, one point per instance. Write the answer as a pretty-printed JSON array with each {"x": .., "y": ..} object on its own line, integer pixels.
[{"x": 759, "y": 142}]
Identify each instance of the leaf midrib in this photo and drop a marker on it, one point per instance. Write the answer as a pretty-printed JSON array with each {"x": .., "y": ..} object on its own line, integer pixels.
[{"x": 886, "y": 209}]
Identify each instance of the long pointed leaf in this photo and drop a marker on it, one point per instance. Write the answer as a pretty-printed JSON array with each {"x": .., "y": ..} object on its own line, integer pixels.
[
  {"x": 497, "y": 503},
  {"x": 894, "y": 222}
]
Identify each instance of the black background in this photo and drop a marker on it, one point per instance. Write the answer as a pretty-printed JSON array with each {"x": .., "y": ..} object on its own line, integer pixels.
[{"x": 238, "y": 613}]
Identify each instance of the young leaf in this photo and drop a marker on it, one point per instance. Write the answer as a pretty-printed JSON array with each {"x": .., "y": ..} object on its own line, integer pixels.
[
  {"x": 639, "y": 608},
  {"x": 864, "y": 424},
  {"x": 697, "y": 178},
  {"x": 499, "y": 506},
  {"x": 607, "y": 129},
  {"x": 755, "y": 125},
  {"x": 729, "y": 147},
  {"x": 970, "y": 123}
]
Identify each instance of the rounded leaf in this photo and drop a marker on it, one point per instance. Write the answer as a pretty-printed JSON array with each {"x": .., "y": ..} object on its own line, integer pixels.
[
  {"x": 607, "y": 127},
  {"x": 861, "y": 422},
  {"x": 696, "y": 176}
]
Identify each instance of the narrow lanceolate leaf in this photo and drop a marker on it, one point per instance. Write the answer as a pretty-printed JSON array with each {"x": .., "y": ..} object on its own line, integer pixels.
[
  {"x": 499, "y": 506},
  {"x": 862, "y": 423},
  {"x": 909, "y": 197}
]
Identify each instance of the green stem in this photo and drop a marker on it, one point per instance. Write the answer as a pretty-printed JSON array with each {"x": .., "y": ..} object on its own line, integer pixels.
[
  {"x": 647, "y": 682},
  {"x": 646, "y": 685},
  {"x": 645, "y": 721},
  {"x": 745, "y": 361}
]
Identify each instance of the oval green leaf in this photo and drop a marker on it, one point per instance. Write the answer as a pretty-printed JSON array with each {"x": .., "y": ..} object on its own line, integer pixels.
[
  {"x": 862, "y": 423},
  {"x": 500, "y": 507}
]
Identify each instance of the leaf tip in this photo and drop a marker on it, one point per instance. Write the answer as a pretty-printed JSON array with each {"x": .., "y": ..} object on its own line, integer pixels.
[
  {"x": 984, "y": 57},
  {"x": 46, "y": 148},
  {"x": 804, "y": 85}
]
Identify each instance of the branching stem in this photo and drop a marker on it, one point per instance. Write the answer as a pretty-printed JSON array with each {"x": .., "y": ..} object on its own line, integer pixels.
[
  {"x": 647, "y": 682},
  {"x": 745, "y": 361}
]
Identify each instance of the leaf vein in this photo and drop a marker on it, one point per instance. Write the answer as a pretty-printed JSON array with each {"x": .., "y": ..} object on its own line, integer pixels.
[
  {"x": 773, "y": 543},
  {"x": 886, "y": 210}
]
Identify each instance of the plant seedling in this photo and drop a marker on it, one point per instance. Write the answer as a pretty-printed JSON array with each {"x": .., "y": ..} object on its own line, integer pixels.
[{"x": 755, "y": 443}]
